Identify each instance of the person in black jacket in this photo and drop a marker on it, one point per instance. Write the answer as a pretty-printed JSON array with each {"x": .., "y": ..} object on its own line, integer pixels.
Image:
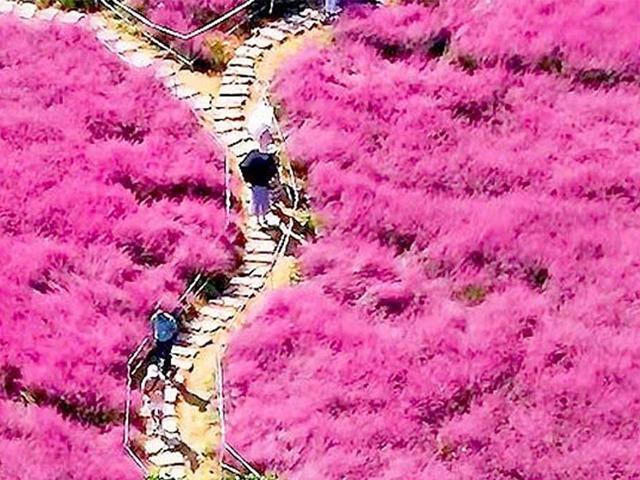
[{"x": 258, "y": 168}]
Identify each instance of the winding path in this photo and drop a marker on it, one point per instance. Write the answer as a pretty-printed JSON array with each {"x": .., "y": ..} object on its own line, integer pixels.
[{"x": 221, "y": 316}]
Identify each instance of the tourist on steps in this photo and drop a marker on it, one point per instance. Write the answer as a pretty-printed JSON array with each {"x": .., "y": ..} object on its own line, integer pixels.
[
  {"x": 153, "y": 398},
  {"x": 258, "y": 169},
  {"x": 165, "y": 330}
]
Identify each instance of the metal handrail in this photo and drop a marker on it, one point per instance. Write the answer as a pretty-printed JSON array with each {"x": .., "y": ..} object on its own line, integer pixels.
[
  {"x": 127, "y": 413},
  {"x": 180, "y": 35}
]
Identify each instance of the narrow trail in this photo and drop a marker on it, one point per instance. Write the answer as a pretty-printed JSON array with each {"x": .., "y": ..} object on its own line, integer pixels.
[{"x": 188, "y": 449}]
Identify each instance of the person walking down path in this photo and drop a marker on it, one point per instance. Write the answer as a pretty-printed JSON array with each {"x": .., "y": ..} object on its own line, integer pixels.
[
  {"x": 153, "y": 394},
  {"x": 258, "y": 168},
  {"x": 165, "y": 330}
]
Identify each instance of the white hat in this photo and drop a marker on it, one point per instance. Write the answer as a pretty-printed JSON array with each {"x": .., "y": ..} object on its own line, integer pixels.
[{"x": 260, "y": 120}]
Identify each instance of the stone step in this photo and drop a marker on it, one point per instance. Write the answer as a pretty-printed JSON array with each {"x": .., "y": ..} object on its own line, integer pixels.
[
  {"x": 234, "y": 90},
  {"x": 260, "y": 271},
  {"x": 231, "y": 101},
  {"x": 256, "y": 234},
  {"x": 260, "y": 246},
  {"x": 240, "y": 150},
  {"x": 259, "y": 258},
  {"x": 225, "y": 126},
  {"x": 228, "y": 114},
  {"x": 178, "y": 378},
  {"x": 165, "y": 70},
  {"x": 97, "y": 22},
  {"x": 208, "y": 326},
  {"x": 273, "y": 34},
  {"x": 241, "y": 291},
  {"x": 246, "y": 51},
  {"x": 183, "y": 92},
  {"x": 187, "y": 352},
  {"x": 201, "y": 102},
  {"x": 233, "y": 80},
  {"x": 167, "y": 459},
  {"x": 272, "y": 219},
  {"x": 173, "y": 473},
  {"x": 259, "y": 42},
  {"x": 292, "y": 28},
  {"x": 107, "y": 35},
  {"x": 228, "y": 301},
  {"x": 71, "y": 17},
  {"x": 26, "y": 10},
  {"x": 295, "y": 19},
  {"x": 315, "y": 14},
  {"x": 154, "y": 446},
  {"x": 170, "y": 394},
  {"x": 170, "y": 424},
  {"x": 123, "y": 46},
  {"x": 234, "y": 138},
  {"x": 6, "y": 7},
  {"x": 215, "y": 311},
  {"x": 140, "y": 59},
  {"x": 248, "y": 282},
  {"x": 48, "y": 14},
  {"x": 200, "y": 340},
  {"x": 310, "y": 24},
  {"x": 182, "y": 363},
  {"x": 172, "y": 82},
  {"x": 169, "y": 410},
  {"x": 241, "y": 61},
  {"x": 240, "y": 72}
]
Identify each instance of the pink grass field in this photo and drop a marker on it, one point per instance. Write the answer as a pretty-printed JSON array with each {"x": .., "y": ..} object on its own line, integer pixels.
[
  {"x": 470, "y": 308},
  {"x": 110, "y": 198}
]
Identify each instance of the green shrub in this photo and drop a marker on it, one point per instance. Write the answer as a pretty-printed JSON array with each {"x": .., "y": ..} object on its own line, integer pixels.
[
  {"x": 473, "y": 294},
  {"x": 218, "y": 51},
  {"x": 83, "y": 5}
]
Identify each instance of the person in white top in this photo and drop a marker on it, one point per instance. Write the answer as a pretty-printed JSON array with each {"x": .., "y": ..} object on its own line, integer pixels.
[{"x": 153, "y": 397}]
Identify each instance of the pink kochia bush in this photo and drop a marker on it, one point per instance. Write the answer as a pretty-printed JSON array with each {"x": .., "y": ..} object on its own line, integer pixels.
[
  {"x": 110, "y": 199},
  {"x": 586, "y": 33},
  {"x": 470, "y": 309}
]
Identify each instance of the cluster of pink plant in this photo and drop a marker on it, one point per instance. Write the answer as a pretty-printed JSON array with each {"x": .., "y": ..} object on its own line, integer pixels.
[
  {"x": 470, "y": 308},
  {"x": 586, "y": 33},
  {"x": 110, "y": 200},
  {"x": 39, "y": 444}
]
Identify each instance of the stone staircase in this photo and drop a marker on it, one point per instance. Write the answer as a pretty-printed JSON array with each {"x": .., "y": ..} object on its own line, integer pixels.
[{"x": 226, "y": 113}]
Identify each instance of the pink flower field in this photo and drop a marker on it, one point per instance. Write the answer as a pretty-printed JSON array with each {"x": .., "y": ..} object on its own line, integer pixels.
[
  {"x": 111, "y": 198},
  {"x": 471, "y": 306}
]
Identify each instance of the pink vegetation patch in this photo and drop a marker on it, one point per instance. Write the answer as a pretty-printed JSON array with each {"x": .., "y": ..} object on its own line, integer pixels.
[
  {"x": 110, "y": 199},
  {"x": 588, "y": 33},
  {"x": 470, "y": 309}
]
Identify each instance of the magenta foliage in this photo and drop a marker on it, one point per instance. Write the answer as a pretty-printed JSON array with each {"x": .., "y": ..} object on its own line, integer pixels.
[
  {"x": 586, "y": 33},
  {"x": 37, "y": 444},
  {"x": 470, "y": 309},
  {"x": 110, "y": 198}
]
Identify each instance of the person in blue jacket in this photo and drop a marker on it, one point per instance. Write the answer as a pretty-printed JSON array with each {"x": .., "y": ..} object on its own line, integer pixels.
[{"x": 165, "y": 330}]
